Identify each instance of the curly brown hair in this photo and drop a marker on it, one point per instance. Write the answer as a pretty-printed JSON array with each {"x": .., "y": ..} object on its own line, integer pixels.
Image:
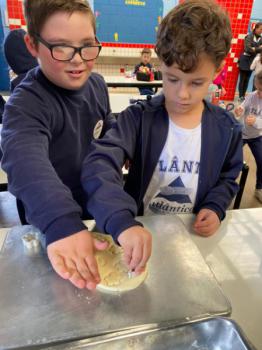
[
  {"x": 38, "y": 11},
  {"x": 190, "y": 29}
]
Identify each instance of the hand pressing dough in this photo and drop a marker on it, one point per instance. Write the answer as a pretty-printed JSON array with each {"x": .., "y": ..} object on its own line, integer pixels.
[{"x": 112, "y": 269}]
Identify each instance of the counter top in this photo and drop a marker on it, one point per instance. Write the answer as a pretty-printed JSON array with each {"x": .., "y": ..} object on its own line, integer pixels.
[
  {"x": 38, "y": 307},
  {"x": 234, "y": 254},
  {"x": 122, "y": 81}
]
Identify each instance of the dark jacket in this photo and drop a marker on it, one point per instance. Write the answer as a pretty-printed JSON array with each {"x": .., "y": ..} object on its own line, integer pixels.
[
  {"x": 249, "y": 53},
  {"x": 140, "y": 135},
  {"x": 46, "y": 134},
  {"x": 17, "y": 55}
]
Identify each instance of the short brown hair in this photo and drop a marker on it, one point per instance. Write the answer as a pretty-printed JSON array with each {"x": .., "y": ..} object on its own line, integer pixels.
[
  {"x": 146, "y": 50},
  {"x": 258, "y": 77},
  {"x": 190, "y": 29},
  {"x": 38, "y": 11}
]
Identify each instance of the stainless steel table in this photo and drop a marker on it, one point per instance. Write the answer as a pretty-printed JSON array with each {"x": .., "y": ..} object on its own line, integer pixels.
[
  {"x": 37, "y": 307},
  {"x": 234, "y": 254}
]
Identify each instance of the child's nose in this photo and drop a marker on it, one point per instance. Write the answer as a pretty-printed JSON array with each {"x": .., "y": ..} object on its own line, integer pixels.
[
  {"x": 183, "y": 91},
  {"x": 77, "y": 58}
]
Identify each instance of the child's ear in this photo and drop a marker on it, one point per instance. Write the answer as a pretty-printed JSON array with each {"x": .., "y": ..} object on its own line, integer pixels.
[
  {"x": 31, "y": 46},
  {"x": 219, "y": 69}
]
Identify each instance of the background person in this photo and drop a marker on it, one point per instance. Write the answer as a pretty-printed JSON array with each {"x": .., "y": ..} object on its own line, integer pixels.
[
  {"x": 147, "y": 66},
  {"x": 17, "y": 56},
  {"x": 256, "y": 66},
  {"x": 250, "y": 113}
]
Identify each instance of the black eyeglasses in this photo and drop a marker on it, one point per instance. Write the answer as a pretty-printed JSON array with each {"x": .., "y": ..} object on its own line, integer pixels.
[{"x": 65, "y": 53}]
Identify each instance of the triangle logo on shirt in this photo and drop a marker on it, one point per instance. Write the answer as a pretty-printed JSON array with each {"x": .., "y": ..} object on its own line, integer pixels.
[{"x": 175, "y": 192}]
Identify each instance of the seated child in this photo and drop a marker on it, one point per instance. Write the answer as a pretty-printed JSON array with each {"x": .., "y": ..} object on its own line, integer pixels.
[
  {"x": 145, "y": 65},
  {"x": 185, "y": 154},
  {"x": 20, "y": 62},
  {"x": 250, "y": 113}
]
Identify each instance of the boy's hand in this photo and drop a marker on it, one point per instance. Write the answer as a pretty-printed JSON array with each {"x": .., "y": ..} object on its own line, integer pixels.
[
  {"x": 239, "y": 111},
  {"x": 73, "y": 258},
  {"x": 250, "y": 119},
  {"x": 137, "y": 244},
  {"x": 206, "y": 223}
]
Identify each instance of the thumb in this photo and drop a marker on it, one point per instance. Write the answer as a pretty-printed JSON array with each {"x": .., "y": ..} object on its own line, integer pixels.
[
  {"x": 100, "y": 245},
  {"x": 200, "y": 217}
]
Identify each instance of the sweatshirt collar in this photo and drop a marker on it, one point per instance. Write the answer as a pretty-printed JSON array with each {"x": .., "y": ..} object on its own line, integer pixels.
[{"x": 43, "y": 79}]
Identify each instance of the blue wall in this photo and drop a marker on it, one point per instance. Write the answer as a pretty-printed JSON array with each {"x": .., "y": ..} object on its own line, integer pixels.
[
  {"x": 129, "y": 21},
  {"x": 257, "y": 9},
  {"x": 3, "y": 10},
  {"x": 4, "y": 72}
]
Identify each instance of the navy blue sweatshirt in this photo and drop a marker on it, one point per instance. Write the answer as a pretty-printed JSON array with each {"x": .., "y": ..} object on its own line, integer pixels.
[{"x": 46, "y": 134}]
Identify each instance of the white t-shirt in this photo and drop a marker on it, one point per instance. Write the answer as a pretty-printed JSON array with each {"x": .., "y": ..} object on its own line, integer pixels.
[{"x": 174, "y": 183}]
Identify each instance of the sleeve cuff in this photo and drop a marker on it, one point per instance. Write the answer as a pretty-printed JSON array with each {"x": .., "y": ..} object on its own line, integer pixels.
[
  {"x": 119, "y": 223},
  {"x": 63, "y": 227}
]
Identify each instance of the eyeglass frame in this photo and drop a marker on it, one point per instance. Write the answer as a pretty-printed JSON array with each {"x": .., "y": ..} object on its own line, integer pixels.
[{"x": 76, "y": 49}]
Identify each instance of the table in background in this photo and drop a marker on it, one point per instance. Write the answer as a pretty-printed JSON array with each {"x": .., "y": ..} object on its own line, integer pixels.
[
  {"x": 119, "y": 102},
  {"x": 122, "y": 81}
]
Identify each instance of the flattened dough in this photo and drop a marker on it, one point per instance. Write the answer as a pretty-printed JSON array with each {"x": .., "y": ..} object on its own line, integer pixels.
[{"x": 113, "y": 272}]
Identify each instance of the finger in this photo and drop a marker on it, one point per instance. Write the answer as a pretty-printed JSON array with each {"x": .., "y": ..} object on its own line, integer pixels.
[
  {"x": 76, "y": 279},
  {"x": 83, "y": 270},
  {"x": 93, "y": 268},
  {"x": 137, "y": 255},
  {"x": 200, "y": 219},
  {"x": 147, "y": 249},
  {"x": 206, "y": 231},
  {"x": 59, "y": 265},
  {"x": 100, "y": 245},
  {"x": 202, "y": 224},
  {"x": 128, "y": 255}
]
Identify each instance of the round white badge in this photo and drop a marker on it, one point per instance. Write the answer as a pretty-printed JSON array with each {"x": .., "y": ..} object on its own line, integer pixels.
[{"x": 98, "y": 129}]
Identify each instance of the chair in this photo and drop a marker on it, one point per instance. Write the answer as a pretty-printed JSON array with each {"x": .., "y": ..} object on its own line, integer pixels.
[{"x": 242, "y": 183}]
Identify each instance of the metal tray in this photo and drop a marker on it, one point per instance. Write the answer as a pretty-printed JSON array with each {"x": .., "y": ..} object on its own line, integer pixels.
[
  {"x": 39, "y": 308},
  {"x": 209, "y": 334}
]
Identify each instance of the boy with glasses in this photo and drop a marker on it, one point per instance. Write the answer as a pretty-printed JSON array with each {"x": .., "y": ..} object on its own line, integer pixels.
[{"x": 49, "y": 122}]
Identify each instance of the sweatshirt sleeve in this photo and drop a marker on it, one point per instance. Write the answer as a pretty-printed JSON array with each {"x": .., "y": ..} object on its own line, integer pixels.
[
  {"x": 113, "y": 209},
  {"x": 26, "y": 136},
  {"x": 220, "y": 196},
  {"x": 258, "y": 123}
]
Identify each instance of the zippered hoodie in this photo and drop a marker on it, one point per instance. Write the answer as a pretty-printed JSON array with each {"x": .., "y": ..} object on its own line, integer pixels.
[{"x": 140, "y": 135}]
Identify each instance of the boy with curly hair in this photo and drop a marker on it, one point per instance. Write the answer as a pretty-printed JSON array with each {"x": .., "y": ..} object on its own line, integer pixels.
[{"x": 185, "y": 153}]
